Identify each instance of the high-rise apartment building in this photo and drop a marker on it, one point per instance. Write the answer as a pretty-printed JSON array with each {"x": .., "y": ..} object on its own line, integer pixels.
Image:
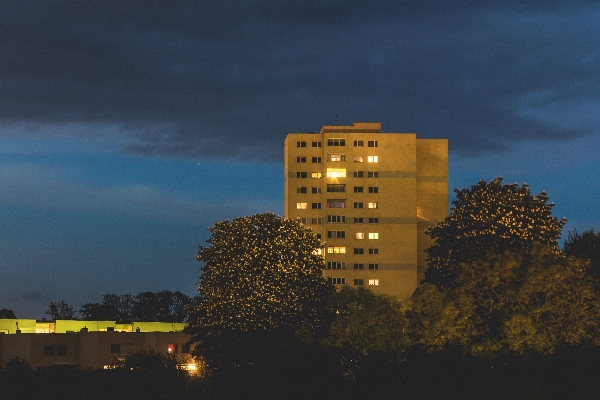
[{"x": 369, "y": 196}]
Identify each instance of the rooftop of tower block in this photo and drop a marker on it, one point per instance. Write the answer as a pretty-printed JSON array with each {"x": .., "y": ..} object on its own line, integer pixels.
[{"x": 356, "y": 127}]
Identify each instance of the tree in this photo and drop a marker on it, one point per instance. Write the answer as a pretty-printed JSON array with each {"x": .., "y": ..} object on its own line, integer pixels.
[
  {"x": 61, "y": 310},
  {"x": 164, "y": 306},
  {"x": 6, "y": 313},
  {"x": 489, "y": 216},
  {"x": 585, "y": 246},
  {"x": 261, "y": 275}
]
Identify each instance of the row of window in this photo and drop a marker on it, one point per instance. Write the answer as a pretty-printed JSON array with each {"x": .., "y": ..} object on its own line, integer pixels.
[
  {"x": 338, "y": 158},
  {"x": 337, "y": 219},
  {"x": 337, "y": 188},
  {"x": 357, "y": 282},
  {"x": 357, "y": 266},
  {"x": 336, "y": 204},
  {"x": 337, "y": 173},
  {"x": 60, "y": 350},
  {"x": 357, "y": 250},
  {"x": 340, "y": 142},
  {"x": 357, "y": 235}
]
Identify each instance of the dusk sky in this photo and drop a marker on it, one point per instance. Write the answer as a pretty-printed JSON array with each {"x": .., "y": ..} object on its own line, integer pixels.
[{"x": 127, "y": 128}]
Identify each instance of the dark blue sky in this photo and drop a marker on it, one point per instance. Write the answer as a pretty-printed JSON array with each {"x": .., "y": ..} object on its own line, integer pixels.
[{"x": 128, "y": 128}]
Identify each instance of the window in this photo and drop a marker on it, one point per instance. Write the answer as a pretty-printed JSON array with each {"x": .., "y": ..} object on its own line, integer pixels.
[
  {"x": 359, "y": 205},
  {"x": 373, "y": 205},
  {"x": 359, "y": 235},
  {"x": 336, "y": 234},
  {"x": 359, "y": 174},
  {"x": 373, "y": 189},
  {"x": 316, "y": 159},
  {"x": 359, "y": 266},
  {"x": 318, "y": 235},
  {"x": 301, "y": 144},
  {"x": 358, "y": 189},
  {"x": 301, "y": 159},
  {"x": 373, "y": 235},
  {"x": 48, "y": 350},
  {"x": 318, "y": 252},
  {"x": 373, "y": 282},
  {"x": 61, "y": 350},
  {"x": 316, "y": 190},
  {"x": 301, "y": 189},
  {"x": 373, "y": 251},
  {"x": 301, "y": 206},
  {"x": 373, "y": 174},
  {"x": 336, "y": 249},
  {"x": 358, "y": 143},
  {"x": 358, "y": 250},
  {"x": 373, "y": 220},
  {"x": 316, "y": 206},
  {"x": 336, "y": 188},
  {"x": 358, "y": 159},
  {"x": 373, "y": 266},
  {"x": 115, "y": 348},
  {"x": 336, "y": 218},
  {"x": 372, "y": 143},
  {"x": 302, "y": 220},
  {"x": 358, "y": 282},
  {"x": 301, "y": 174},
  {"x": 316, "y": 144},
  {"x": 331, "y": 203},
  {"x": 336, "y": 157},
  {"x": 337, "y": 281},
  {"x": 315, "y": 175},
  {"x": 358, "y": 220},
  {"x": 336, "y": 142},
  {"x": 172, "y": 348},
  {"x": 373, "y": 159},
  {"x": 336, "y": 172},
  {"x": 336, "y": 264},
  {"x": 316, "y": 221}
]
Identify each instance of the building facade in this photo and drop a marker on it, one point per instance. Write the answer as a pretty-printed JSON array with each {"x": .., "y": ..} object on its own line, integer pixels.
[{"x": 369, "y": 196}]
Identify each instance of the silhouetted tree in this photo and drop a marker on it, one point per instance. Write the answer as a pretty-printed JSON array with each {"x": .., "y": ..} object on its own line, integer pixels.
[
  {"x": 585, "y": 246},
  {"x": 162, "y": 306},
  {"x": 6, "y": 313},
  {"x": 61, "y": 310},
  {"x": 18, "y": 365}
]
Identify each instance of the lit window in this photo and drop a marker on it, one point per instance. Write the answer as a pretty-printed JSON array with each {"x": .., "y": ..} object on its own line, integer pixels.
[
  {"x": 373, "y": 282},
  {"x": 316, "y": 190},
  {"x": 331, "y": 203},
  {"x": 358, "y": 220},
  {"x": 373, "y": 266},
  {"x": 373, "y": 174},
  {"x": 318, "y": 252},
  {"x": 315, "y": 175},
  {"x": 301, "y": 206},
  {"x": 336, "y": 264},
  {"x": 373, "y": 251},
  {"x": 336, "y": 157},
  {"x": 358, "y": 189},
  {"x": 61, "y": 350},
  {"x": 358, "y": 159},
  {"x": 359, "y": 204},
  {"x": 301, "y": 144},
  {"x": 372, "y": 143},
  {"x": 358, "y": 143},
  {"x": 336, "y": 218},
  {"x": 336, "y": 188},
  {"x": 373, "y": 205},
  {"x": 337, "y": 281},
  {"x": 336, "y": 234},
  {"x": 373, "y": 159},
  {"x": 48, "y": 350},
  {"x": 336, "y": 142},
  {"x": 336, "y": 172},
  {"x": 316, "y": 144},
  {"x": 316, "y": 159},
  {"x": 373, "y": 235},
  {"x": 359, "y": 174},
  {"x": 316, "y": 221},
  {"x": 301, "y": 159},
  {"x": 359, "y": 266},
  {"x": 316, "y": 206},
  {"x": 171, "y": 348},
  {"x": 359, "y": 235},
  {"x": 301, "y": 174},
  {"x": 373, "y": 189},
  {"x": 336, "y": 249},
  {"x": 373, "y": 220},
  {"x": 301, "y": 189},
  {"x": 358, "y": 282},
  {"x": 358, "y": 250}
]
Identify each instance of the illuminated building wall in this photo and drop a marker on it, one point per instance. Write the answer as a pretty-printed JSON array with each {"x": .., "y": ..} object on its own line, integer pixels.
[{"x": 369, "y": 196}]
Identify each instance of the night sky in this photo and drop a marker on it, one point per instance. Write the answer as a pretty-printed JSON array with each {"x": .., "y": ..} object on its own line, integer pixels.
[{"x": 127, "y": 128}]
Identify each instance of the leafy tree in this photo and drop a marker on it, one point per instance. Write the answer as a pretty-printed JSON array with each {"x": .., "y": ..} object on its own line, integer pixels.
[
  {"x": 262, "y": 278},
  {"x": 18, "y": 365},
  {"x": 161, "y": 306},
  {"x": 6, "y": 313},
  {"x": 526, "y": 301},
  {"x": 61, "y": 310},
  {"x": 148, "y": 359},
  {"x": 489, "y": 216},
  {"x": 585, "y": 246}
]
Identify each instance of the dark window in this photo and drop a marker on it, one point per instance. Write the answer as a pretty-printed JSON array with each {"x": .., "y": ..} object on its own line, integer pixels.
[
  {"x": 316, "y": 144},
  {"x": 301, "y": 144},
  {"x": 372, "y": 143},
  {"x": 373, "y": 174},
  {"x": 336, "y": 234},
  {"x": 337, "y": 281},
  {"x": 336, "y": 218},
  {"x": 358, "y": 205},
  {"x": 336, "y": 142},
  {"x": 336, "y": 204},
  {"x": 373, "y": 220},
  {"x": 359, "y": 251},
  {"x": 302, "y": 220},
  {"x": 301, "y": 189},
  {"x": 374, "y": 251},
  {"x": 316, "y": 206},
  {"x": 301, "y": 174},
  {"x": 316, "y": 190},
  {"x": 358, "y": 220},
  {"x": 336, "y": 264},
  {"x": 373, "y": 266},
  {"x": 359, "y": 266},
  {"x": 359, "y": 174},
  {"x": 336, "y": 188},
  {"x": 358, "y": 143},
  {"x": 373, "y": 189},
  {"x": 115, "y": 348},
  {"x": 316, "y": 221},
  {"x": 358, "y": 189},
  {"x": 48, "y": 350},
  {"x": 301, "y": 159},
  {"x": 318, "y": 235},
  {"x": 358, "y": 282},
  {"x": 316, "y": 159},
  {"x": 61, "y": 350}
]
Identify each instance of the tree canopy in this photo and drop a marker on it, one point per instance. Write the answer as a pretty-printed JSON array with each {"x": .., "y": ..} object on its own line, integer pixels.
[
  {"x": 61, "y": 310},
  {"x": 489, "y": 216},
  {"x": 260, "y": 274},
  {"x": 585, "y": 245}
]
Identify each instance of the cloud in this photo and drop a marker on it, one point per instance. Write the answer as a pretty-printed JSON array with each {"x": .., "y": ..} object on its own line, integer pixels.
[{"x": 230, "y": 79}]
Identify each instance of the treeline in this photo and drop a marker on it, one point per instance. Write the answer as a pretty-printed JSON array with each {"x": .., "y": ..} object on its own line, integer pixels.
[{"x": 165, "y": 306}]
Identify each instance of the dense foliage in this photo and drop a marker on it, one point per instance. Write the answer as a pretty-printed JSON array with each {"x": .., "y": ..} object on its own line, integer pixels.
[
  {"x": 61, "y": 310},
  {"x": 489, "y": 216},
  {"x": 585, "y": 246}
]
